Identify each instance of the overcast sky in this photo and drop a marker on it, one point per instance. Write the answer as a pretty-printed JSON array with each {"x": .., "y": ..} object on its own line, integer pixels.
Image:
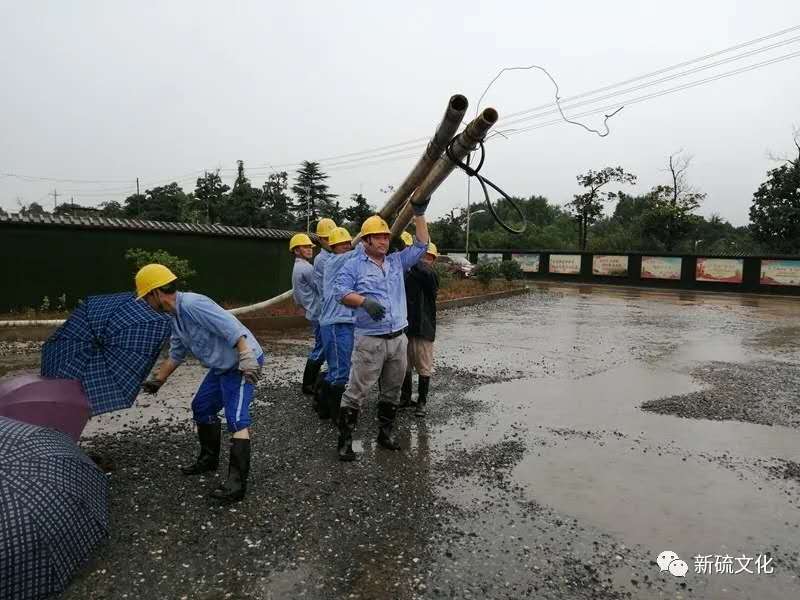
[{"x": 108, "y": 91}]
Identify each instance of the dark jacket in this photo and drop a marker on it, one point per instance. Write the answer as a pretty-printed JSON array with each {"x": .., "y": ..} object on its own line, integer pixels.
[{"x": 422, "y": 285}]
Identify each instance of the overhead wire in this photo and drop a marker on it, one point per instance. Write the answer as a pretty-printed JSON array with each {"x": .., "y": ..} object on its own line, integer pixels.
[
  {"x": 660, "y": 71},
  {"x": 398, "y": 151},
  {"x": 363, "y": 157},
  {"x": 664, "y": 92},
  {"x": 620, "y": 93}
]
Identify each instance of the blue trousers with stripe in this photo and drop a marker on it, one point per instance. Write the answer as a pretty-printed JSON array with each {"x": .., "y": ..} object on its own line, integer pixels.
[
  {"x": 317, "y": 353},
  {"x": 338, "y": 342},
  {"x": 229, "y": 391}
]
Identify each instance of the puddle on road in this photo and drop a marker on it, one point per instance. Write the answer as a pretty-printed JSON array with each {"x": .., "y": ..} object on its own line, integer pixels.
[
  {"x": 644, "y": 477},
  {"x": 603, "y": 476}
]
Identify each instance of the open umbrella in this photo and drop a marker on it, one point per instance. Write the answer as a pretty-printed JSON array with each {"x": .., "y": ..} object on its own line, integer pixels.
[
  {"x": 57, "y": 403},
  {"x": 109, "y": 343},
  {"x": 53, "y": 510}
]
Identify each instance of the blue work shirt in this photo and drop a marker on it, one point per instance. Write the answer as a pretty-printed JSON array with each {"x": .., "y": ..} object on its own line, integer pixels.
[
  {"x": 305, "y": 293},
  {"x": 334, "y": 311},
  {"x": 384, "y": 284},
  {"x": 204, "y": 328},
  {"x": 319, "y": 270}
]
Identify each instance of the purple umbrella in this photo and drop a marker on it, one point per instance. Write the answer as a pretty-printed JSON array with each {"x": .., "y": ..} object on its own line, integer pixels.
[{"x": 56, "y": 403}]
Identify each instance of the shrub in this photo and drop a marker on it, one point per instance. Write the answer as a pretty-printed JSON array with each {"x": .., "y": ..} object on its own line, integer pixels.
[
  {"x": 485, "y": 272},
  {"x": 510, "y": 269},
  {"x": 445, "y": 276},
  {"x": 179, "y": 266}
]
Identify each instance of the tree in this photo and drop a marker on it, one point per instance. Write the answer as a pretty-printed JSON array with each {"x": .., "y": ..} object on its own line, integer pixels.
[
  {"x": 112, "y": 209},
  {"x": 179, "y": 266},
  {"x": 277, "y": 201},
  {"x": 312, "y": 199},
  {"x": 775, "y": 212},
  {"x": 34, "y": 209},
  {"x": 245, "y": 203},
  {"x": 210, "y": 197},
  {"x": 630, "y": 209},
  {"x": 164, "y": 203},
  {"x": 76, "y": 210},
  {"x": 588, "y": 207},
  {"x": 671, "y": 217},
  {"x": 360, "y": 210},
  {"x": 448, "y": 231},
  {"x": 134, "y": 206}
]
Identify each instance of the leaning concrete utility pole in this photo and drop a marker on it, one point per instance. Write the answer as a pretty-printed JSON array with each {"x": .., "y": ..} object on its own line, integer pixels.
[
  {"x": 466, "y": 142},
  {"x": 453, "y": 115}
]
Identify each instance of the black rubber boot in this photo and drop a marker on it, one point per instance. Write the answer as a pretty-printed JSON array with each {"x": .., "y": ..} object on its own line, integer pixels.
[
  {"x": 310, "y": 374},
  {"x": 335, "y": 393},
  {"x": 235, "y": 487},
  {"x": 208, "y": 459},
  {"x": 321, "y": 401},
  {"x": 405, "y": 391},
  {"x": 422, "y": 398},
  {"x": 386, "y": 415},
  {"x": 348, "y": 418}
]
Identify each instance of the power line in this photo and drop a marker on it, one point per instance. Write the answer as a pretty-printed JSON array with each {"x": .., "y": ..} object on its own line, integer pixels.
[
  {"x": 665, "y": 92},
  {"x": 387, "y": 151},
  {"x": 59, "y": 180},
  {"x": 648, "y": 84},
  {"x": 381, "y": 154},
  {"x": 607, "y": 87},
  {"x": 658, "y": 71},
  {"x": 386, "y": 156}
]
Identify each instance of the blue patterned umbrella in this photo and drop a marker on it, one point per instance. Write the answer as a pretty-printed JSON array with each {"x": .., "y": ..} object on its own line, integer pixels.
[
  {"x": 110, "y": 344},
  {"x": 53, "y": 510}
]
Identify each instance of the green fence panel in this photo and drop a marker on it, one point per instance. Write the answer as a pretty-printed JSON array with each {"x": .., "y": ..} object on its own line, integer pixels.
[{"x": 39, "y": 261}]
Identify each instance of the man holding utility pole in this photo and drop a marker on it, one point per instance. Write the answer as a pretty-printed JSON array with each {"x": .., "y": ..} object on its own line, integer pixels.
[
  {"x": 307, "y": 295},
  {"x": 372, "y": 283},
  {"x": 336, "y": 325},
  {"x": 233, "y": 357},
  {"x": 422, "y": 286}
]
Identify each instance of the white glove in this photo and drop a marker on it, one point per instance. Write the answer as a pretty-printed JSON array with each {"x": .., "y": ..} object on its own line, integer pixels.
[{"x": 249, "y": 366}]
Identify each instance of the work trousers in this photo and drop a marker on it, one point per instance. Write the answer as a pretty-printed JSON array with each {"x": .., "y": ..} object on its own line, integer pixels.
[
  {"x": 420, "y": 356},
  {"x": 226, "y": 390},
  {"x": 338, "y": 343},
  {"x": 316, "y": 354},
  {"x": 376, "y": 360}
]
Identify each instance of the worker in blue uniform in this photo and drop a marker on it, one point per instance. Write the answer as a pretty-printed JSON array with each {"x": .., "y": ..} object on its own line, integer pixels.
[
  {"x": 233, "y": 357},
  {"x": 336, "y": 325},
  {"x": 373, "y": 284},
  {"x": 305, "y": 296}
]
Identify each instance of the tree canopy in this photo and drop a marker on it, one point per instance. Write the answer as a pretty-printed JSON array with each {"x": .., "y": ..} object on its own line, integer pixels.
[
  {"x": 775, "y": 212},
  {"x": 662, "y": 219}
]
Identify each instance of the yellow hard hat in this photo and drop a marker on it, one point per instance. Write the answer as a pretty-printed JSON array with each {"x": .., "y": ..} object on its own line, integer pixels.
[
  {"x": 374, "y": 224},
  {"x": 151, "y": 277},
  {"x": 299, "y": 239},
  {"x": 324, "y": 227},
  {"x": 432, "y": 249},
  {"x": 407, "y": 239},
  {"x": 339, "y": 236}
]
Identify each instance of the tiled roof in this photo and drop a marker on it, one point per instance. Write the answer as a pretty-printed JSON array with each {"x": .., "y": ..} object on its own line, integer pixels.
[{"x": 137, "y": 225}]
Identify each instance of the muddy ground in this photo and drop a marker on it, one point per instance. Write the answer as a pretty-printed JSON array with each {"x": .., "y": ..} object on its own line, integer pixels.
[{"x": 573, "y": 435}]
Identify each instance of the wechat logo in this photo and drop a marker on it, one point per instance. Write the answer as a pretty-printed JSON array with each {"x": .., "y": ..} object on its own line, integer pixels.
[{"x": 669, "y": 561}]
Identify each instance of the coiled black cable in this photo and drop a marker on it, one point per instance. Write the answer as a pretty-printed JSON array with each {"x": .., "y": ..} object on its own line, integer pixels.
[{"x": 484, "y": 182}]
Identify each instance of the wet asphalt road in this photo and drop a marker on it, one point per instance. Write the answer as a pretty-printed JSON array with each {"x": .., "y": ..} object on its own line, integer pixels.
[{"x": 573, "y": 435}]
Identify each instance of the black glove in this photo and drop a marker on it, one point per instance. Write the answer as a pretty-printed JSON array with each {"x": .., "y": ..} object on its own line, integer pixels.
[
  {"x": 374, "y": 308},
  {"x": 419, "y": 209},
  {"x": 151, "y": 386}
]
